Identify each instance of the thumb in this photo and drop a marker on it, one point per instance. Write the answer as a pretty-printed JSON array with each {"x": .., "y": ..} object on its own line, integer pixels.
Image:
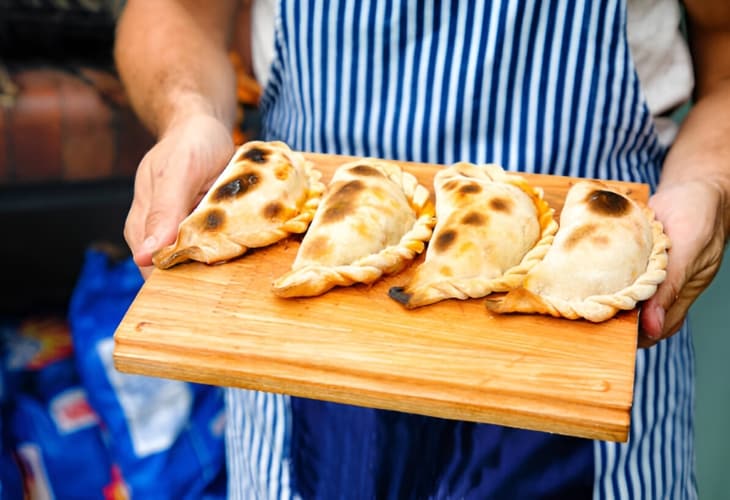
[
  {"x": 168, "y": 207},
  {"x": 654, "y": 318},
  {"x": 160, "y": 230}
]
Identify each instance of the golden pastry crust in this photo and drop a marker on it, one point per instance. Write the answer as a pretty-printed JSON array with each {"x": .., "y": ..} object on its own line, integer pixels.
[
  {"x": 265, "y": 193},
  {"x": 374, "y": 219},
  {"x": 609, "y": 254},
  {"x": 492, "y": 228}
]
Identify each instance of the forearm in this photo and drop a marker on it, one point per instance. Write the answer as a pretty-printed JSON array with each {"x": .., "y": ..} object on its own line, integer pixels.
[
  {"x": 701, "y": 151},
  {"x": 172, "y": 57},
  {"x": 693, "y": 196}
]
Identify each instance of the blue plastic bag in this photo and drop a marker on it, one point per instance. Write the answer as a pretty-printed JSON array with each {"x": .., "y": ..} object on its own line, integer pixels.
[
  {"x": 11, "y": 481},
  {"x": 165, "y": 435},
  {"x": 60, "y": 447},
  {"x": 52, "y": 434}
]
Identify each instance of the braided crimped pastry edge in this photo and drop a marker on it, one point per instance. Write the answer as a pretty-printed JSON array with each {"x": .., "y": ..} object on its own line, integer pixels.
[
  {"x": 312, "y": 280},
  {"x": 598, "y": 308},
  {"x": 315, "y": 189},
  {"x": 513, "y": 277}
]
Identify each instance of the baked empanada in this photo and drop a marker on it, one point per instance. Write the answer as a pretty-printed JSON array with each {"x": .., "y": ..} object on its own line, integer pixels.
[
  {"x": 608, "y": 254},
  {"x": 266, "y": 192},
  {"x": 491, "y": 228},
  {"x": 374, "y": 219}
]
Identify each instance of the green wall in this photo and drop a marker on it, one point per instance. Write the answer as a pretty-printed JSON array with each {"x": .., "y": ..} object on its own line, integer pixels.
[{"x": 710, "y": 319}]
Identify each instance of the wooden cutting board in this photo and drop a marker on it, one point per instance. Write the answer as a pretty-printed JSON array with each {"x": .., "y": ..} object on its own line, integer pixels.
[{"x": 220, "y": 325}]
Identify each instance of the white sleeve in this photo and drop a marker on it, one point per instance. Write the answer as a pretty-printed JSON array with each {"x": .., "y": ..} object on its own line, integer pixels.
[
  {"x": 263, "y": 27},
  {"x": 661, "y": 57}
]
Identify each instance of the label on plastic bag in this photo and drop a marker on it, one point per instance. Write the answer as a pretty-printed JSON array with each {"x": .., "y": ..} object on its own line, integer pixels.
[
  {"x": 71, "y": 411},
  {"x": 156, "y": 410}
]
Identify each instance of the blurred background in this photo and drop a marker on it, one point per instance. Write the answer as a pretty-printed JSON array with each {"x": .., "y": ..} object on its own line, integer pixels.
[
  {"x": 70, "y": 425},
  {"x": 69, "y": 146},
  {"x": 710, "y": 318}
]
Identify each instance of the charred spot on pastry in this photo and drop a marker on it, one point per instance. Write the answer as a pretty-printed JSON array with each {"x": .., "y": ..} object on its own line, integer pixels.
[
  {"x": 474, "y": 219},
  {"x": 349, "y": 189},
  {"x": 236, "y": 187},
  {"x": 579, "y": 234},
  {"x": 399, "y": 294},
  {"x": 228, "y": 190},
  {"x": 607, "y": 203},
  {"x": 501, "y": 205},
  {"x": 470, "y": 188},
  {"x": 365, "y": 171},
  {"x": 273, "y": 210},
  {"x": 445, "y": 240},
  {"x": 256, "y": 155},
  {"x": 451, "y": 185},
  {"x": 336, "y": 211},
  {"x": 342, "y": 201},
  {"x": 214, "y": 219}
]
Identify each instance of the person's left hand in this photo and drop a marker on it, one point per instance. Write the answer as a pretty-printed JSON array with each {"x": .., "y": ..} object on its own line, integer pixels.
[{"x": 692, "y": 214}]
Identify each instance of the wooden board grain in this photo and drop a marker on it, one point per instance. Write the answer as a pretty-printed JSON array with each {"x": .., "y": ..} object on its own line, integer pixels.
[{"x": 221, "y": 325}]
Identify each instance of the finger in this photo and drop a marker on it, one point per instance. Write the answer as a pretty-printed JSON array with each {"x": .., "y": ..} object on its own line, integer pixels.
[
  {"x": 654, "y": 312},
  {"x": 651, "y": 323},
  {"x": 672, "y": 320},
  {"x": 134, "y": 235},
  {"x": 675, "y": 315},
  {"x": 171, "y": 200},
  {"x": 145, "y": 271},
  {"x": 646, "y": 343},
  {"x": 653, "y": 320},
  {"x": 134, "y": 228}
]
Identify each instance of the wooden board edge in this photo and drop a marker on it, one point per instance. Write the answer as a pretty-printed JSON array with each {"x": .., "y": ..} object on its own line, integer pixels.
[{"x": 608, "y": 424}]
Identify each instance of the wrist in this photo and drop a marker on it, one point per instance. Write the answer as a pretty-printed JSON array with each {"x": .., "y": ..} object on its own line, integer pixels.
[
  {"x": 186, "y": 106},
  {"x": 722, "y": 190},
  {"x": 710, "y": 189}
]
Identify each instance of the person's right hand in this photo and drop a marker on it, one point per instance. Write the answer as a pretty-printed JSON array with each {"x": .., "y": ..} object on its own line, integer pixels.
[{"x": 171, "y": 179}]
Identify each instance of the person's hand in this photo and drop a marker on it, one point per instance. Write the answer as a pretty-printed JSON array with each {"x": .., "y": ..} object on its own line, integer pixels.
[
  {"x": 692, "y": 215},
  {"x": 171, "y": 179}
]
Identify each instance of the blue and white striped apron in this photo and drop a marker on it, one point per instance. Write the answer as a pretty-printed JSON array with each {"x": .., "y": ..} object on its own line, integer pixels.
[{"x": 535, "y": 85}]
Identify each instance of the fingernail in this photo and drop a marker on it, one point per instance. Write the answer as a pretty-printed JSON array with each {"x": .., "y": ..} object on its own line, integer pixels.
[
  {"x": 660, "y": 321},
  {"x": 149, "y": 243}
]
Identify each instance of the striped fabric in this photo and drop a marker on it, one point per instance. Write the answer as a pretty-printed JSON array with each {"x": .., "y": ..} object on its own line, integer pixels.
[
  {"x": 539, "y": 86},
  {"x": 257, "y": 444},
  {"x": 658, "y": 460}
]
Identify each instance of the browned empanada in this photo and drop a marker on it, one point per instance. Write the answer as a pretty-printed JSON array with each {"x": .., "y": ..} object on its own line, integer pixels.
[
  {"x": 374, "y": 219},
  {"x": 491, "y": 228},
  {"x": 266, "y": 192},
  {"x": 609, "y": 254}
]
